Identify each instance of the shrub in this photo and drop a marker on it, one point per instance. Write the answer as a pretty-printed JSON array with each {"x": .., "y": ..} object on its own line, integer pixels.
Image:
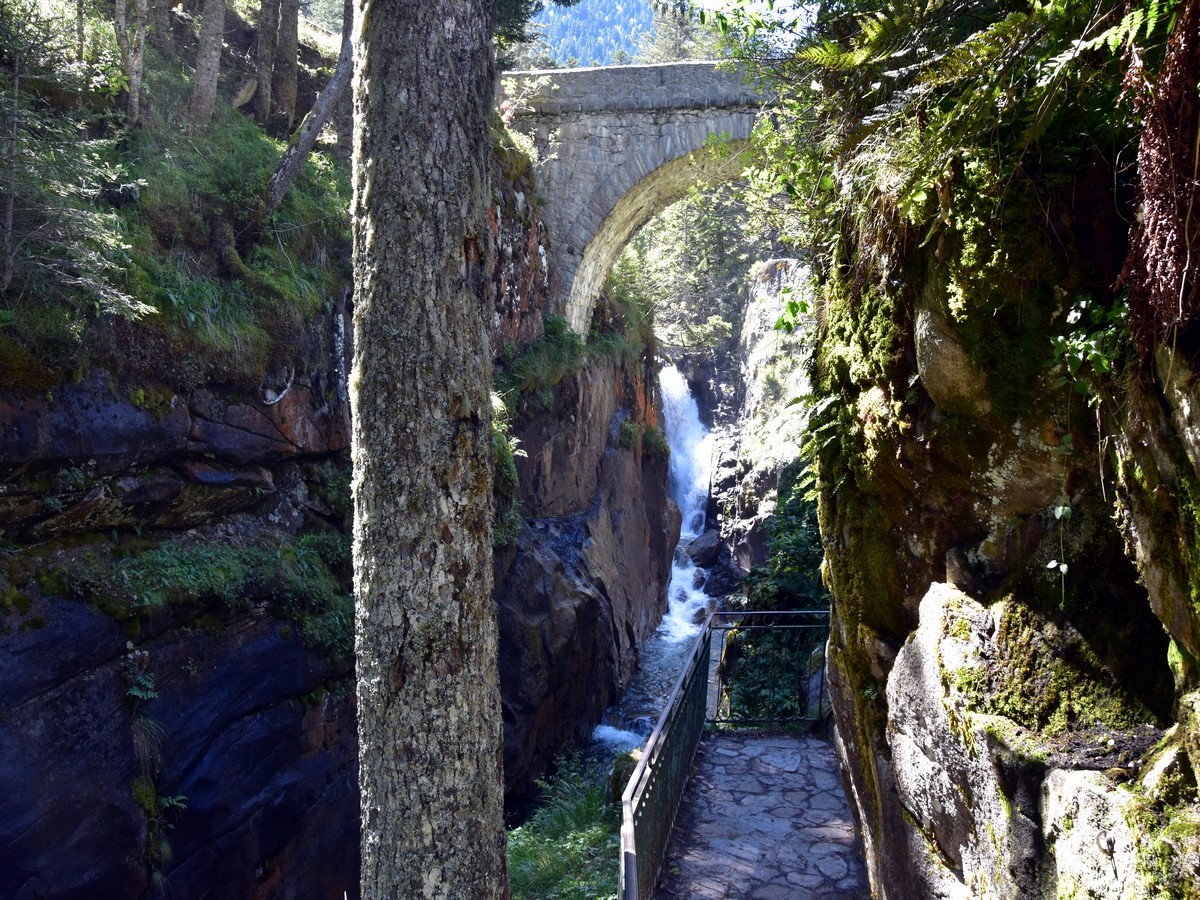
[
  {"x": 654, "y": 442},
  {"x": 525, "y": 383},
  {"x": 630, "y": 437}
]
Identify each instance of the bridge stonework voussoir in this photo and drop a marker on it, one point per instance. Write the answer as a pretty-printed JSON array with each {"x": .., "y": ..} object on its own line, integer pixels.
[{"x": 618, "y": 144}]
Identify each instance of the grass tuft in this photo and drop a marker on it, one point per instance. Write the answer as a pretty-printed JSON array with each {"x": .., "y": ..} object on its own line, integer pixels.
[{"x": 570, "y": 847}]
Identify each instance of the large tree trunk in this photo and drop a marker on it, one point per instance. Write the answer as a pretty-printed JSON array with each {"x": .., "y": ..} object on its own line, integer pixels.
[
  {"x": 133, "y": 54},
  {"x": 283, "y": 81},
  {"x": 208, "y": 62},
  {"x": 161, "y": 35},
  {"x": 428, "y": 699},
  {"x": 306, "y": 135},
  {"x": 268, "y": 34}
]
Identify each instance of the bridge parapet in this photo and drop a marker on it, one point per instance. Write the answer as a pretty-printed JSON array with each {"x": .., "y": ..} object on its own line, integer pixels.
[{"x": 662, "y": 86}]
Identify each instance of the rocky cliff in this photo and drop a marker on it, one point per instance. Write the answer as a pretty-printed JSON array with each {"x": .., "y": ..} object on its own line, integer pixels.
[
  {"x": 1012, "y": 659},
  {"x": 176, "y": 685},
  {"x": 176, "y": 682},
  {"x": 767, "y": 433},
  {"x": 585, "y": 582}
]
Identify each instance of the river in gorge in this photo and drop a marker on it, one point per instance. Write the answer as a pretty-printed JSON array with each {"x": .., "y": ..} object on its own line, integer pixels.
[{"x": 628, "y": 723}]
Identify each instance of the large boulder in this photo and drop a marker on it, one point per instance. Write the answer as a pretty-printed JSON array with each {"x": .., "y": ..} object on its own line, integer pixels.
[{"x": 991, "y": 809}]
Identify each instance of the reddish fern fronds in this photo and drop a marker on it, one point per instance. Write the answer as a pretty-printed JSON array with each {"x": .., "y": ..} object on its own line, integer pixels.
[{"x": 1161, "y": 269}]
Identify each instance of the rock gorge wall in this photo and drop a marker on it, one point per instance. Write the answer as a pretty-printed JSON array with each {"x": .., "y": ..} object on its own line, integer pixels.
[
  {"x": 768, "y": 433},
  {"x": 176, "y": 681},
  {"x": 585, "y": 583},
  {"x": 171, "y": 717},
  {"x": 1012, "y": 664}
]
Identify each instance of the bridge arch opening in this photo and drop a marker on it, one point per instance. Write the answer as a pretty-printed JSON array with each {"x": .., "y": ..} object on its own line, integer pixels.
[{"x": 710, "y": 165}]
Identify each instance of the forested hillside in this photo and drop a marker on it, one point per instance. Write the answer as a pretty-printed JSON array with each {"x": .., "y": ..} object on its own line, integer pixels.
[{"x": 594, "y": 32}]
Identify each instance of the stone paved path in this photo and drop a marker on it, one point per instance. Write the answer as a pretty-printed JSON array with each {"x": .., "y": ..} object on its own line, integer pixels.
[{"x": 764, "y": 818}]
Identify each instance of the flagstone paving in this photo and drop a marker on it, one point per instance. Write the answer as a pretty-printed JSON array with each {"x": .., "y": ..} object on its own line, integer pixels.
[{"x": 764, "y": 817}]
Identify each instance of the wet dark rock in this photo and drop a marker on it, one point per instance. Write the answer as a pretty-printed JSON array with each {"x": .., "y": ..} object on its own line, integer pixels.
[
  {"x": 722, "y": 580},
  {"x": 241, "y": 728},
  {"x": 87, "y": 421},
  {"x": 583, "y": 588},
  {"x": 705, "y": 549},
  {"x": 214, "y": 476}
]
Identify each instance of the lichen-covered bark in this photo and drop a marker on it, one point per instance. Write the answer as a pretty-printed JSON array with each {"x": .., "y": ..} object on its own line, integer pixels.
[
  {"x": 208, "y": 61},
  {"x": 429, "y": 713},
  {"x": 283, "y": 80}
]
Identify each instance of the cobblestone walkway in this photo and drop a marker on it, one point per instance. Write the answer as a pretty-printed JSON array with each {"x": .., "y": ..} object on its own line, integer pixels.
[{"x": 764, "y": 818}]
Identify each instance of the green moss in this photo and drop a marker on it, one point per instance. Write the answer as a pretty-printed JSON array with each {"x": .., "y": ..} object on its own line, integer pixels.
[
  {"x": 145, "y": 796},
  {"x": 21, "y": 369},
  {"x": 972, "y": 682},
  {"x": 996, "y": 280},
  {"x": 630, "y": 437},
  {"x": 330, "y": 481},
  {"x": 1046, "y": 678},
  {"x": 1166, "y": 838},
  {"x": 306, "y": 580},
  {"x": 155, "y": 399},
  {"x": 1173, "y": 510},
  {"x": 861, "y": 338},
  {"x": 1022, "y": 745},
  {"x": 14, "y": 599},
  {"x": 866, "y": 581}
]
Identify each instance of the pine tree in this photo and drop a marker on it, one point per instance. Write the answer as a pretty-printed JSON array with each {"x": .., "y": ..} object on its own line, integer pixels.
[{"x": 428, "y": 694}]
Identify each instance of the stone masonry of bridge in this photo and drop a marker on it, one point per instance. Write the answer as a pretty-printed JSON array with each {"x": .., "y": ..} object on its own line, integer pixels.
[{"x": 617, "y": 145}]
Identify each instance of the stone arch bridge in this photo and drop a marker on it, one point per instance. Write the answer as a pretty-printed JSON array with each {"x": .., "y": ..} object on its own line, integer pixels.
[{"x": 618, "y": 145}]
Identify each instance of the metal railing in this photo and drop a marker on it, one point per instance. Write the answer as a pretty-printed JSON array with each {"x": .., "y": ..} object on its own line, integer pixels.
[
  {"x": 652, "y": 795},
  {"x": 769, "y": 668},
  {"x": 767, "y": 658}
]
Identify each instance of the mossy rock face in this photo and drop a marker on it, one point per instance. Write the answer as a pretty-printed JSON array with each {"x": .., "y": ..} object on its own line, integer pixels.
[
  {"x": 1156, "y": 459},
  {"x": 1045, "y": 677},
  {"x": 978, "y": 470},
  {"x": 1164, "y": 810},
  {"x": 20, "y": 368}
]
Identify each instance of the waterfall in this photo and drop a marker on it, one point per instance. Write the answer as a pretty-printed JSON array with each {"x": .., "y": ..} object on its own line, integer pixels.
[
  {"x": 628, "y": 723},
  {"x": 691, "y": 452}
]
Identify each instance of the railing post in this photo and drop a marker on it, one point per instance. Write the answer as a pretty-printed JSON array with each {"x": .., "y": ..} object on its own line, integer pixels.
[{"x": 629, "y": 874}]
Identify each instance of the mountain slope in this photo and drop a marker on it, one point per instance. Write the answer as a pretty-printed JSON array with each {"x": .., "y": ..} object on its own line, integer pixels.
[{"x": 593, "y": 32}]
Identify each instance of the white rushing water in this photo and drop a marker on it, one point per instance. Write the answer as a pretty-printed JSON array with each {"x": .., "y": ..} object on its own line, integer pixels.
[
  {"x": 691, "y": 460},
  {"x": 628, "y": 723}
]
